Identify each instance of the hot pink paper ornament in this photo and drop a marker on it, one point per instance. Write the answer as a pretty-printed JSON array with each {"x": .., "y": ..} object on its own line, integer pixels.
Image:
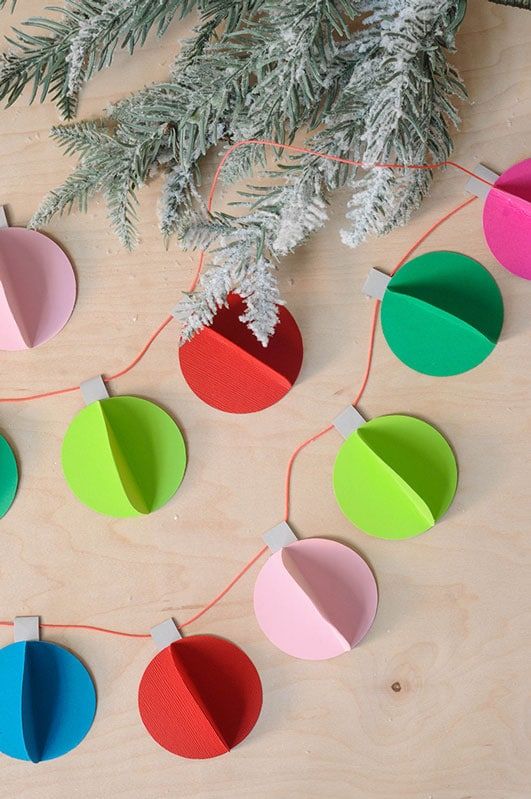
[
  {"x": 37, "y": 288},
  {"x": 315, "y": 599},
  {"x": 507, "y": 219}
]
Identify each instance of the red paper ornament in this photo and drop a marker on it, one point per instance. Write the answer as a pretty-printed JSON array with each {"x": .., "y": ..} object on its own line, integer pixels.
[
  {"x": 228, "y": 368},
  {"x": 200, "y": 697}
]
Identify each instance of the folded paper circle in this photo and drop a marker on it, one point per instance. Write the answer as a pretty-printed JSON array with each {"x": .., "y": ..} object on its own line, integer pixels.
[
  {"x": 507, "y": 219},
  {"x": 315, "y": 599},
  {"x": 123, "y": 456},
  {"x": 442, "y": 313},
  {"x": 47, "y": 698},
  {"x": 37, "y": 288},
  {"x": 228, "y": 368},
  {"x": 8, "y": 476},
  {"x": 395, "y": 476},
  {"x": 200, "y": 697}
]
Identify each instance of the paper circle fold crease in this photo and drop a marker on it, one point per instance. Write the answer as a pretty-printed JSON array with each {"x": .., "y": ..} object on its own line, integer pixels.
[
  {"x": 315, "y": 599},
  {"x": 8, "y": 476},
  {"x": 37, "y": 288},
  {"x": 229, "y": 369},
  {"x": 47, "y": 698},
  {"x": 200, "y": 697},
  {"x": 442, "y": 313},
  {"x": 507, "y": 219},
  {"x": 123, "y": 456},
  {"x": 395, "y": 476}
]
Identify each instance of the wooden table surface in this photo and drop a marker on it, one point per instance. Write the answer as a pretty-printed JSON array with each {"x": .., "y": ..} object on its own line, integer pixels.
[{"x": 434, "y": 704}]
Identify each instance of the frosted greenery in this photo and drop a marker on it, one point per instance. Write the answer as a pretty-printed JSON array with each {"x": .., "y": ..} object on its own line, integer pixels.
[{"x": 364, "y": 79}]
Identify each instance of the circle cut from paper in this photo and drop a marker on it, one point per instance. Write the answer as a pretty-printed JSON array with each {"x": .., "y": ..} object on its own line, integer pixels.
[
  {"x": 442, "y": 313},
  {"x": 47, "y": 698},
  {"x": 229, "y": 369},
  {"x": 507, "y": 219},
  {"x": 315, "y": 599},
  {"x": 8, "y": 476},
  {"x": 123, "y": 456},
  {"x": 395, "y": 476},
  {"x": 37, "y": 288},
  {"x": 200, "y": 697}
]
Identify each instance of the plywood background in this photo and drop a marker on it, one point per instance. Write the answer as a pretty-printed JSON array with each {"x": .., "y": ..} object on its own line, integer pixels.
[{"x": 453, "y": 625}]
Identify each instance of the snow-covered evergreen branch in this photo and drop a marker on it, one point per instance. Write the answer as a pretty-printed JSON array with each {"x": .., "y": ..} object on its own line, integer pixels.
[
  {"x": 367, "y": 79},
  {"x": 57, "y": 54}
]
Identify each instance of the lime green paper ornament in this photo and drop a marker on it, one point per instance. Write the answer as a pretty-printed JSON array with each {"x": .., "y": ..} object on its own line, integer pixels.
[
  {"x": 442, "y": 313},
  {"x": 123, "y": 456},
  {"x": 8, "y": 476},
  {"x": 395, "y": 476}
]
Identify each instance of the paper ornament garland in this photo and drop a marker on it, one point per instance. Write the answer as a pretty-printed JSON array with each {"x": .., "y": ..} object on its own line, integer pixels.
[
  {"x": 507, "y": 219},
  {"x": 314, "y": 599},
  {"x": 228, "y": 368},
  {"x": 47, "y": 698},
  {"x": 442, "y": 313},
  {"x": 123, "y": 456},
  {"x": 200, "y": 696},
  {"x": 394, "y": 476},
  {"x": 37, "y": 288},
  {"x": 8, "y": 476}
]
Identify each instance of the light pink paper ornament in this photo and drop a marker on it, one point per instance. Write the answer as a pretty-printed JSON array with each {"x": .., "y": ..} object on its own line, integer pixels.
[
  {"x": 37, "y": 288},
  {"x": 315, "y": 599}
]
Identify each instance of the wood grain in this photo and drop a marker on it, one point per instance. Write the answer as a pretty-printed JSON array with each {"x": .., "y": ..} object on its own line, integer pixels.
[{"x": 435, "y": 703}]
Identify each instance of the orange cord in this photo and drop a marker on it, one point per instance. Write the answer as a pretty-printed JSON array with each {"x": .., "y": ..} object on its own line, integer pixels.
[
  {"x": 94, "y": 628},
  {"x": 165, "y": 323}
]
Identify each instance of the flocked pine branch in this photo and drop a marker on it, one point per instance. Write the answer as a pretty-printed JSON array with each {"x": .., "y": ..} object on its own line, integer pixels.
[
  {"x": 56, "y": 54},
  {"x": 396, "y": 106},
  {"x": 366, "y": 79}
]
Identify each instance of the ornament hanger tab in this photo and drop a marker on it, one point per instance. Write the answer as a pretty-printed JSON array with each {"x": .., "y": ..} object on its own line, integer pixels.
[
  {"x": 477, "y": 186},
  {"x": 348, "y": 421},
  {"x": 279, "y": 537},
  {"x": 3, "y": 217},
  {"x": 165, "y": 633},
  {"x": 26, "y": 628},
  {"x": 376, "y": 284},
  {"x": 94, "y": 390}
]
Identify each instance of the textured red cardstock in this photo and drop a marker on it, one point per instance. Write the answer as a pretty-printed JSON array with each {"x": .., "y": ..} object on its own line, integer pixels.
[
  {"x": 200, "y": 697},
  {"x": 228, "y": 368}
]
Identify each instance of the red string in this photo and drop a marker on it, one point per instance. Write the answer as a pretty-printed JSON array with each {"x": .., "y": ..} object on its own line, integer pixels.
[{"x": 165, "y": 323}]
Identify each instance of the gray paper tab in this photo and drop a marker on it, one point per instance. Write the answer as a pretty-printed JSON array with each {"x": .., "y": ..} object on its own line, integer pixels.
[
  {"x": 165, "y": 633},
  {"x": 348, "y": 421},
  {"x": 94, "y": 389},
  {"x": 478, "y": 187},
  {"x": 376, "y": 284},
  {"x": 26, "y": 628},
  {"x": 279, "y": 536}
]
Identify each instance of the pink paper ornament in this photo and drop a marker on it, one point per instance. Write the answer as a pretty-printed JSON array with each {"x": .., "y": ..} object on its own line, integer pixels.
[
  {"x": 37, "y": 288},
  {"x": 507, "y": 219},
  {"x": 315, "y": 599}
]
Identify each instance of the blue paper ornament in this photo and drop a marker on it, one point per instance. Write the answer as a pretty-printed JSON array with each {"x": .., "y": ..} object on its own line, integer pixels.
[{"x": 47, "y": 701}]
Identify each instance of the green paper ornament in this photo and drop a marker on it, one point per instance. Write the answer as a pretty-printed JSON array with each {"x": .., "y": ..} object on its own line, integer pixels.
[
  {"x": 123, "y": 456},
  {"x": 442, "y": 313},
  {"x": 395, "y": 476},
  {"x": 8, "y": 476}
]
